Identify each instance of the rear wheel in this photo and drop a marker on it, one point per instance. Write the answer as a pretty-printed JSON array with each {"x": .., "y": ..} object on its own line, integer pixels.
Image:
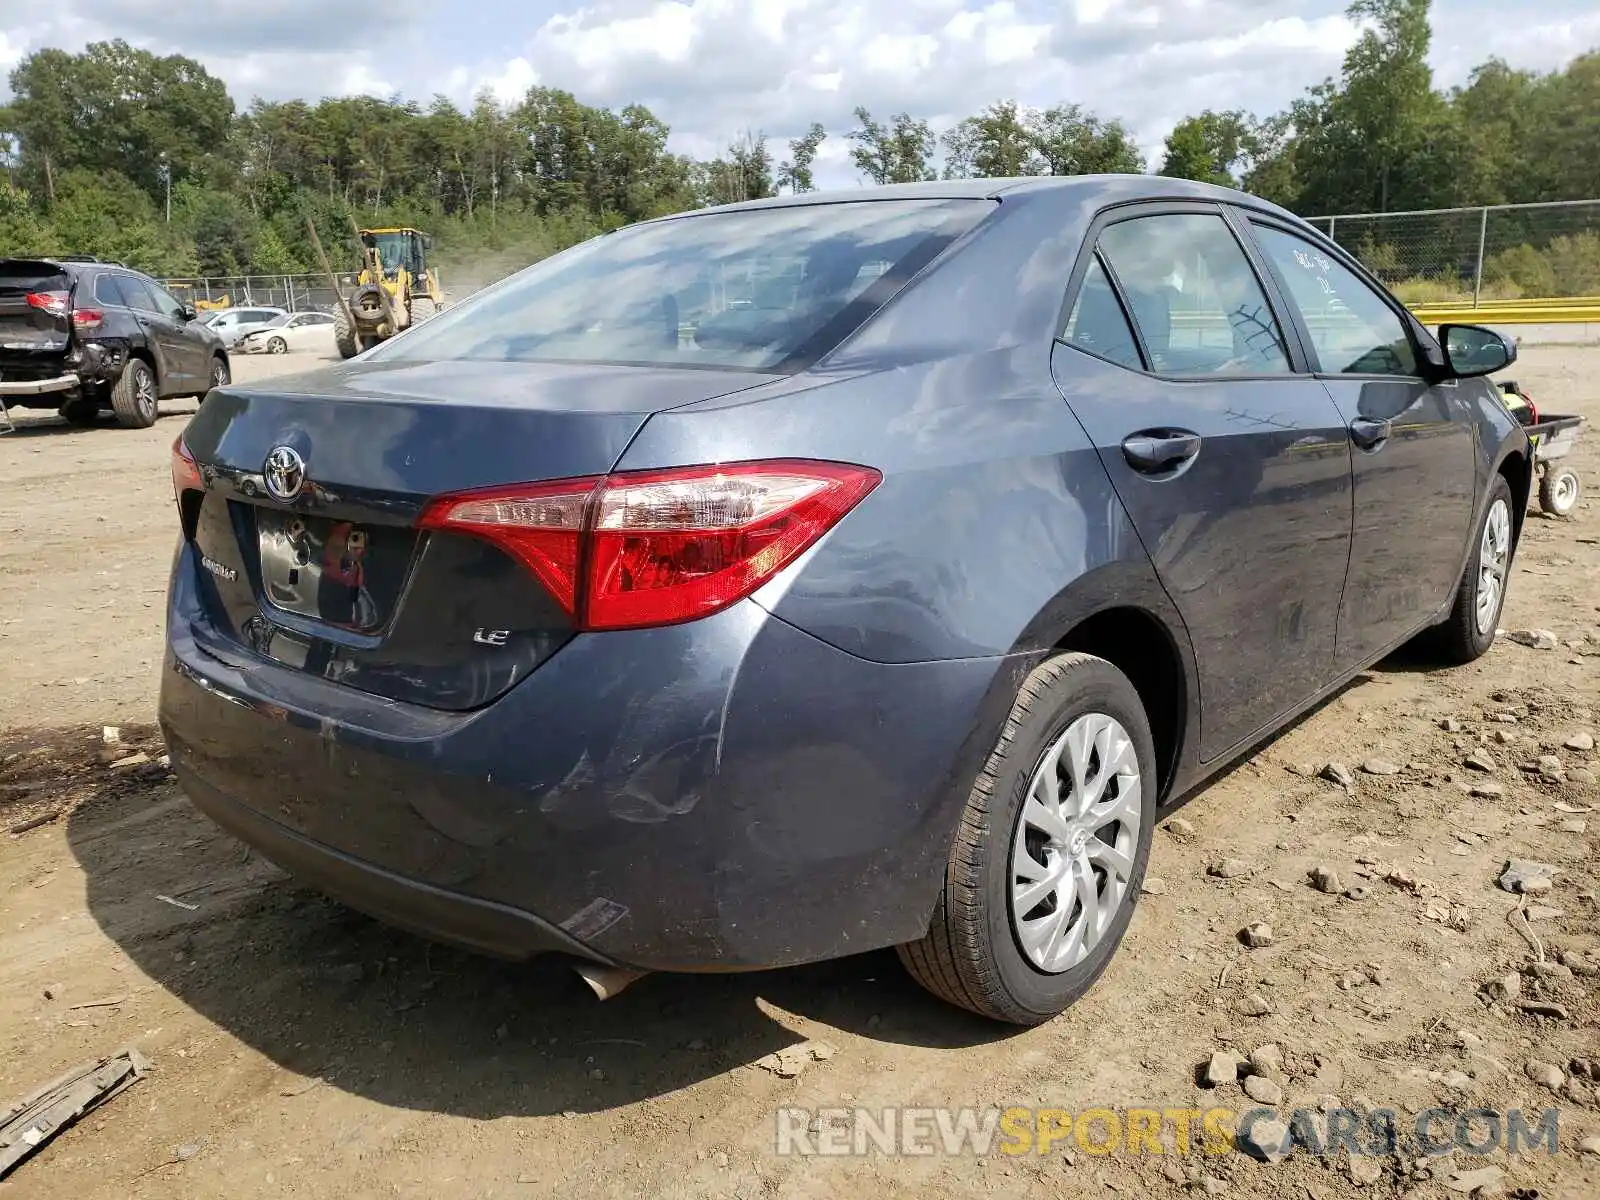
[
  {"x": 1559, "y": 491},
  {"x": 133, "y": 398},
  {"x": 1470, "y": 629},
  {"x": 344, "y": 336},
  {"x": 1050, "y": 853}
]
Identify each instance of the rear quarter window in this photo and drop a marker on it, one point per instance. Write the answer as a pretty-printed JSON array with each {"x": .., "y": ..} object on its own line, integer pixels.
[{"x": 760, "y": 289}]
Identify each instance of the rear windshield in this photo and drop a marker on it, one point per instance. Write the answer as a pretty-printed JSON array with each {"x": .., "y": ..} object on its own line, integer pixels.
[
  {"x": 767, "y": 289},
  {"x": 18, "y": 276}
]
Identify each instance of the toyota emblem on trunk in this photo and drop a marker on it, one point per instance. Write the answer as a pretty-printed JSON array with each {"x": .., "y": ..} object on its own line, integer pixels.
[{"x": 285, "y": 473}]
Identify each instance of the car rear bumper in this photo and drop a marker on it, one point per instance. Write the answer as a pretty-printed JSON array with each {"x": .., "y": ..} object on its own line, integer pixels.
[
  {"x": 726, "y": 794},
  {"x": 38, "y": 387},
  {"x": 445, "y": 916}
]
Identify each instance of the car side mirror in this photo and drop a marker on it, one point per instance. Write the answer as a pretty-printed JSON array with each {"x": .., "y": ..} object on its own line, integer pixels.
[
  {"x": 188, "y": 312},
  {"x": 1472, "y": 350}
]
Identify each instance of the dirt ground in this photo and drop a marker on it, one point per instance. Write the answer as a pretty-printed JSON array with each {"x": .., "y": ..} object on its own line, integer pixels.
[{"x": 300, "y": 1049}]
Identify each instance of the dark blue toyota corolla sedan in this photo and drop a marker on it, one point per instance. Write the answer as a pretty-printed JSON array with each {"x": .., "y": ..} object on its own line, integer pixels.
[{"x": 781, "y": 581}]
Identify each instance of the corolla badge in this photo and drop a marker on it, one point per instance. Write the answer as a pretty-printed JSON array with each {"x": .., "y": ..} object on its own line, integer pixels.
[{"x": 284, "y": 472}]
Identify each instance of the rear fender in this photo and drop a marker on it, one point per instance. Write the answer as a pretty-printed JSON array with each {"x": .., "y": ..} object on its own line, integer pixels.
[{"x": 1118, "y": 585}]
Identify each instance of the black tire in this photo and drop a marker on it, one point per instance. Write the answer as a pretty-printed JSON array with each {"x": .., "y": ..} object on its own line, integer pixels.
[
  {"x": 344, "y": 336},
  {"x": 276, "y": 345},
  {"x": 82, "y": 412},
  {"x": 1559, "y": 491},
  {"x": 133, "y": 398},
  {"x": 970, "y": 955},
  {"x": 1462, "y": 638},
  {"x": 221, "y": 374}
]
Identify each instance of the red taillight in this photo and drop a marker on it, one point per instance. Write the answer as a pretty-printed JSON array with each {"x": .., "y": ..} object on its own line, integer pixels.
[
  {"x": 54, "y": 303},
  {"x": 659, "y": 547},
  {"x": 538, "y": 524},
  {"x": 186, "y": 475},
  {"x": 87, "y": 318}
]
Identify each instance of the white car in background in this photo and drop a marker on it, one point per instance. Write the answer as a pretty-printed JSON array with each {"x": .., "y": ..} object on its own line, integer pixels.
[
  {"x": 307, "y": 331},
  {"x": 232, "y": 324}
]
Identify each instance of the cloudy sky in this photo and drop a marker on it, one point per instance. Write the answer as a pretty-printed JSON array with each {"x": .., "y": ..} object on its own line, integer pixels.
[{"x": 713, "y": 67}]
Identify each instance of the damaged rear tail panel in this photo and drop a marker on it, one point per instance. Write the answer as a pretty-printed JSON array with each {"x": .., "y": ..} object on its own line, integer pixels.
[{"x": 35, "y": 309}]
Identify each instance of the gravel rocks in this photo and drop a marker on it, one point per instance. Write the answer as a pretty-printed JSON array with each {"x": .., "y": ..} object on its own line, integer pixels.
[
  {"x": 1254, "y": 1005},
  {"x": 1223, "y": 1068},
  {"x": 1228, "y": 868},
  {"x": 1263, "y": 1090},
  {"x": 1337, "y": 772},
  {"x": 1534, "y": 639},
  {"x": 1267, "y": 1060},
  {"x": 1267, "y": 1140},
  {"x": 1257, "y": 935},
  {"x": 1546, "y": 1075},
  {"x": 1527, "y": 877},
  {"x": 1507, "y": 987}
]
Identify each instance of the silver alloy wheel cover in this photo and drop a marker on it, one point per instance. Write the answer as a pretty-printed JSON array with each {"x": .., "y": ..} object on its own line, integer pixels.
[
  {"x": 1066, "y": 881},
  {"x": 219, "y": 374},
  {"x": 1494, "y": 552},
  {"x": 144, "y": 389}
]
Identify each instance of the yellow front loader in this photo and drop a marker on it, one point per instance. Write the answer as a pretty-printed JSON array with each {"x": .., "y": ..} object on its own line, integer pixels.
[{"x": 393, "y": 277}]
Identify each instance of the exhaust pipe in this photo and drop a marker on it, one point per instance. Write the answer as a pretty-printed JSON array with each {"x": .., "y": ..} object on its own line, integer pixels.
[{"x": 606, "y": 982}]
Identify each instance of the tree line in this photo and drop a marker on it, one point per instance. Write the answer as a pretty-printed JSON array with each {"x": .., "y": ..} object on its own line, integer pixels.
[{"x": 122, "y": 153}]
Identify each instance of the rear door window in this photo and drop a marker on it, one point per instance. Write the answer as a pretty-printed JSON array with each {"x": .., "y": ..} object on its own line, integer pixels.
[
  {"x": 1197, "y": 304},
  {"x": 1097, "y": 322},
  {"x": 138, "y": 295},
  {"x": 763, "y": 289},
  {"x": 107, "y": 292},
  {"x": 1352, "y": 328},
  {"x": 166, "y": 304}
]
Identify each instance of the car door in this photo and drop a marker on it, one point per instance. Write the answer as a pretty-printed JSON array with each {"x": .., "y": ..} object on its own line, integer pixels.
[
  {"x": 1232, "y": 461},
  {"x": 1411, "y": 439},
  {"x": 174, "y": 375},
  {"x": 189, "y": 337}
]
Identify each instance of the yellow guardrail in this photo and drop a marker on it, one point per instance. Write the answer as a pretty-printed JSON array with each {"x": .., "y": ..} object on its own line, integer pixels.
[
  {"x": 1526, "y": 310},
  {"x": 1567, "y": 313}
]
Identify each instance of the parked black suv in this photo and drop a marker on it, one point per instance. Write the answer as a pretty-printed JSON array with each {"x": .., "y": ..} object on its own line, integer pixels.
[{"x": 83, "y": 335}]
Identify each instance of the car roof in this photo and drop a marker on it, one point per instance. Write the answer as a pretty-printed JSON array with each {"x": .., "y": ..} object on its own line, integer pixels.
[{"x": 1065, "y": 188}]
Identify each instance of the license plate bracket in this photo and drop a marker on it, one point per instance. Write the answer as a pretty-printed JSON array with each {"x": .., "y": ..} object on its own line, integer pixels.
[{"x": 342, "y": 573}]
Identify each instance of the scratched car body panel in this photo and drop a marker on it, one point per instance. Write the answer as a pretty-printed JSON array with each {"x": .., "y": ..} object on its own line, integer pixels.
[{"x": 660, "y": 605}]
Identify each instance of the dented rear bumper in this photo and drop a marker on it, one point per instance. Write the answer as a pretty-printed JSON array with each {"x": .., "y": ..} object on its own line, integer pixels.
[{"x": 730, "y": 793}]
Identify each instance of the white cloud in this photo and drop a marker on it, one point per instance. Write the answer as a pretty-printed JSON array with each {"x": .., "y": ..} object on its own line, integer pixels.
[
  {"x": 711, "y": 68},
  {"x": 512, "y": 82}
]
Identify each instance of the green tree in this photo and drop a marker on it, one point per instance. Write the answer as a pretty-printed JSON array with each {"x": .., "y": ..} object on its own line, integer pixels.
[
  {"x": 1214, "y": 147},
  {"x": 899, "y": 152},
  {"x": 22, "y": 230},
  {"x": 1381, "y": 137},
  {"x": 45, "y": 115},
  {"x": 220, "y": 226},
  {"x": 1072, "y": 142},
  {"x": 795, "y": 174},
  {"x": 995, "y": 144}
]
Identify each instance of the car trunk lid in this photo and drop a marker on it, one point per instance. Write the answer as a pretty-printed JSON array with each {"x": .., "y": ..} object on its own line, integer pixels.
[{"x": 334, "y": 577}]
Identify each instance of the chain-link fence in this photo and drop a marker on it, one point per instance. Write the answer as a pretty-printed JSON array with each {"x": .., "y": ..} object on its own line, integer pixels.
[
  {"x": 296, "y": 293},
  {"x": 1478, "y": 255}
]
